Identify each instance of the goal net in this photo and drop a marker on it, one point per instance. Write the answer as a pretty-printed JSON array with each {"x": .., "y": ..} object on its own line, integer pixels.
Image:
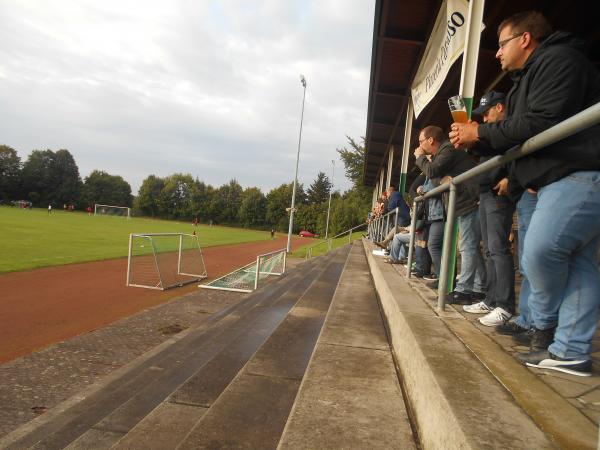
[
  {"x": 164, "y": 260},
  {"x": 248, "y": 277},
  {"x": 111, "y": 210}
]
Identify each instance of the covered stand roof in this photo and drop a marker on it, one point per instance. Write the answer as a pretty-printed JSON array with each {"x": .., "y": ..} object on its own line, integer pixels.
[{"x": 400, "y": 35}]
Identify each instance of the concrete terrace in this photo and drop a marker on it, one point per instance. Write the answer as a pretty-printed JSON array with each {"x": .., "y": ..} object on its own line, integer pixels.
[{"x": 341, "y": 352}]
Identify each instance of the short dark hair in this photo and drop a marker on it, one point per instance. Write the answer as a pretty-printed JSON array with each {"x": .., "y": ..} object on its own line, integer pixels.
[
  {"x": 533, "y": 22},
  {"x": 434, "y": 132}
]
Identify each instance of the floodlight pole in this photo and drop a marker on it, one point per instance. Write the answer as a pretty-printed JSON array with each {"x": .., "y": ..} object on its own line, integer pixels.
[
  {"x": 292, "y": 209},
  {"x": 330, "y": 192}
]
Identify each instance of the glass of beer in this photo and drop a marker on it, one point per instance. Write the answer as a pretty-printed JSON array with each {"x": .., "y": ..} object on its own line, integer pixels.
[{"x": 458, "y": 109}]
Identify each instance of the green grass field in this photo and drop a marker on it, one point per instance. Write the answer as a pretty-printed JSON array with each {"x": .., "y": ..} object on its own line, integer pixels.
[
  {"x": 33, "y": 238},
  {"x": 322, "y": 248}
]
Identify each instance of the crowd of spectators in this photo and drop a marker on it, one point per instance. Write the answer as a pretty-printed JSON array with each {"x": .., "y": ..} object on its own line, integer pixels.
[{"x": 555, "y": 193}]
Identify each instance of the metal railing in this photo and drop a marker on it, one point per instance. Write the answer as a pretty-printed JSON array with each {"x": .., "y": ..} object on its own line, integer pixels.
[
  {"x": 329, "y": 241},
  {"x": 379, "y": 227},
  {"x": 562, "y": 130}
]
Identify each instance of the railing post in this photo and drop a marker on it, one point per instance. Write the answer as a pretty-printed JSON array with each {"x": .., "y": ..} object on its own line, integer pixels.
[
  {"x": 396, "y": 219},
  {"x": 447, "y": 250},
  {"x": 387, "y": 227},
  {"x": 411, "y": 245},
  {"x": 350, "y": 237}
]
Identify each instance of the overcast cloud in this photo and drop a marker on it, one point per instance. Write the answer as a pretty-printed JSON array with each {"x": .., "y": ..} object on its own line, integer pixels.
[{"x": 210, "y": 88}]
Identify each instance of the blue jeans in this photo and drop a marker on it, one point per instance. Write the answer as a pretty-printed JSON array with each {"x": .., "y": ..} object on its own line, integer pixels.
[
  {"x": 525, "y": 208},
  {"x": 472, "y": 269},
  {"x": 560, "y": 260},
  {"x": 399, "y": 248},
  {"x": 496, "y": 217}
]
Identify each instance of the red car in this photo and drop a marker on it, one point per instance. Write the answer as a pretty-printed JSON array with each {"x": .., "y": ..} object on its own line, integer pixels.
[{"x": 305, "y": 233}]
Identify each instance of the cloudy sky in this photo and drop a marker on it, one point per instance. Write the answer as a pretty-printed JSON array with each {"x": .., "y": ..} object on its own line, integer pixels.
[{"x": 204, "y": 87}]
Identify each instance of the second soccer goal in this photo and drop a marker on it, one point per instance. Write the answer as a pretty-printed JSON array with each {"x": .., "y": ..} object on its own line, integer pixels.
[{"x": 164, "y": 260}]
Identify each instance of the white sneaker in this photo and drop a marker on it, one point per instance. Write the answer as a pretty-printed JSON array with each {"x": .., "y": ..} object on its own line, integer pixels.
[
  {"x": 477, "y": 308},
  {"x": 497, "y": 317}
]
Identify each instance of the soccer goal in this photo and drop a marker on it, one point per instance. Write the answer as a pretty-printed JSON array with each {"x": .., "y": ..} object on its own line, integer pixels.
[
  {"x": 247, "y": 278},
  {"x": 164, "y": 260},
  {"x": 111, "y": 210}
]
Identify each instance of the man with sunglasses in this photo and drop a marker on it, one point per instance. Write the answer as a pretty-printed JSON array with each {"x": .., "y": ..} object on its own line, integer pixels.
[{"x": 553, "y": 80}]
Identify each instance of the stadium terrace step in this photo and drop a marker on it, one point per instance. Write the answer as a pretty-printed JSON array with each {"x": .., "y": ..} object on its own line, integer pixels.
[
  {"x": 230, "y": 336},
  {"x": 464, "y": 389},
  {"x": 253, "y": 410},
  {"x": 350, "y": 396}
]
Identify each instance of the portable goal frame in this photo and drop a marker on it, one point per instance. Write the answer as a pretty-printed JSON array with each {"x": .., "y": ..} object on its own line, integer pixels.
[
  {"x": 162, "y": 261},
  {"x": 246, "y": 278}
]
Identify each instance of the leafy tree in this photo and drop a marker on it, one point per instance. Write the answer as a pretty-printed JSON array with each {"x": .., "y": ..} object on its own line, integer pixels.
[
  {"x": 349, "y": 210},
  {"x": 354, "y": 160},
  {"x": 307, "y": 217},
  {"x": 278, "y": 199},
  {"x": 10, "y": 172},
  {"x": 147, "y": 200},
  {"x": 100, "y": 187},
  {"x": 225, "y": 203},
  {"x": 253, "y": 208},
  {"x": 175, "y": 199},
  {"x": 65, "y": 179},
  {"x": 216, "y": 206},
  {"x": 50, "y": 177},
  {"x": 37, "y": 177},
  {"x": 318, "y": 192},
  {"x": 201, "y": 198},
  {"x": 233, "y": 201}
]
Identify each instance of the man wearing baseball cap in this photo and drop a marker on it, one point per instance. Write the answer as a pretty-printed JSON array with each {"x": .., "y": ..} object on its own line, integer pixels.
[
  {"x": 553, "y": 80},
  {"x": 495, "y": 213}
]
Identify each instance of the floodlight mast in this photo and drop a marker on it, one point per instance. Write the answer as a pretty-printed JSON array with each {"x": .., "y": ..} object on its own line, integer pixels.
[{"x": 293, "y": 209}]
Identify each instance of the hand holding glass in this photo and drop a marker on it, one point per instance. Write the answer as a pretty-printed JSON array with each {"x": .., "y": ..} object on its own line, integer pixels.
[{"x": 458, "y": 109}]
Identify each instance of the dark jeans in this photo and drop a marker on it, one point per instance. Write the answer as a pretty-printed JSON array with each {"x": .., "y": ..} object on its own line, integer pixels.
[
  {"x": 496, "y": 217},
  {"x": 423, "y": 260},
  {"x": 435, "y": 244}
]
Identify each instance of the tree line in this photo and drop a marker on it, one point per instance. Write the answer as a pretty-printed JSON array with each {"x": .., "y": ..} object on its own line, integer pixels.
[{"x": 52, "y": 177}]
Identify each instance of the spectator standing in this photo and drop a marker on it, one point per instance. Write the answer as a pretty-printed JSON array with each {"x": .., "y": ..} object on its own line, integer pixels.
[
  {"x": 553, "y": 81},
  {"x": 49, "y": 209},
  {"x": 496, "y": 217},
  {"x": 445, "y": 162}
]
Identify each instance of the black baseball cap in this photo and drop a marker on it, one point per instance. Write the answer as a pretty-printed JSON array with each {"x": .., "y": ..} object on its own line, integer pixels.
[{"x": 488, "y": 100}]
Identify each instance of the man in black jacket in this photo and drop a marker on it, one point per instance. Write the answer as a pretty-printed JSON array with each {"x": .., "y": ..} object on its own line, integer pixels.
[
  {"x": 445, "y": 162},
  {"x": 553, "y": 80}
]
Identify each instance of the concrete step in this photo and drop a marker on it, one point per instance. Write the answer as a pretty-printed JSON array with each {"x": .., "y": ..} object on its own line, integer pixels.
[
  {"x": 253, "y": 409},
  {"x": 464, "y": 389},
  {"x": 104, "y": 417},
  {"x": 350, "y": 396}
]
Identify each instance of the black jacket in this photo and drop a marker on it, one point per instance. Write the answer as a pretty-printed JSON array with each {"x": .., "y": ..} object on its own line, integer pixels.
[
  {"x": 490, "y": 179},
  {"x": 451, "y": 162},
  {"x": 556, "y": 82}
]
